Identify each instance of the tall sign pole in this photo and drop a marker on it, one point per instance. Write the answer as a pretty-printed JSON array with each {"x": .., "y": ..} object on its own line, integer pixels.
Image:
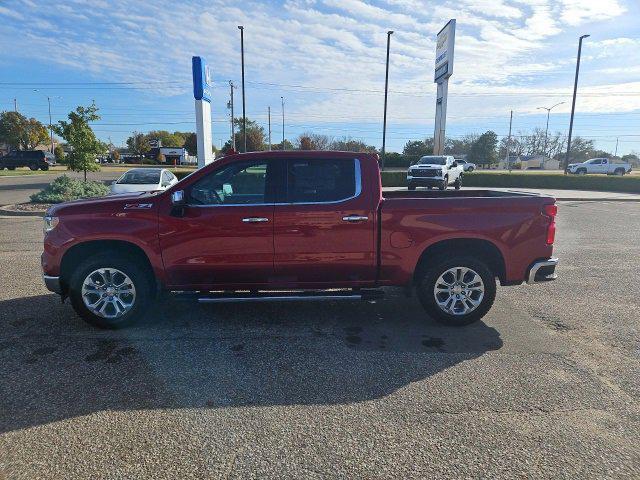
[
  {"x": 445, "y": 42},
  {"x": 508, "y": 159},
  {"x": 202, "y": 93}
]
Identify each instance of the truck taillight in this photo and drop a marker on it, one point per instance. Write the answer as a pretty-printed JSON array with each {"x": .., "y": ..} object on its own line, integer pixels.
[{"x": 550, "y": 211}]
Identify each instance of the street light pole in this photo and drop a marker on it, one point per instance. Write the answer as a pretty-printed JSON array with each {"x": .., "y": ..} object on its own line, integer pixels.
[
  {"x": 386, "y": 91},
  {"x": 50, "y": 125},
  {"x": 573, "y": 103},
  {"x": 546, "y": 131},
  {"x": 233, "y": 130},
  {"x": 269, "y": 115},
  {"x": 244, "y": 116},
  {"x": 283, "y": 146}
]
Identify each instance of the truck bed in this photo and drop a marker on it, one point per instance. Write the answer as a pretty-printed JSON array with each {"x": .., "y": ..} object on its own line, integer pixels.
[{"x": 451, "y": 194}]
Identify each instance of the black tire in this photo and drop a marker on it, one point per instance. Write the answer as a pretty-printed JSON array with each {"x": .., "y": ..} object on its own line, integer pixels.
[
  {"x": 44, "y": 168},
  {"x": 140, "y": 276},
  {"x": 444, "y": 184},
  {"x": 428, "y": 276},
  {"x": 458, "y": 183},
  {"x": 33, "y": 168},
  {"x": 411, "y": 187},
  {"x": 619, "y": 172},
  {"x": 11, "y": 168},
  {"x": 470, "y": 169},
  {"x": 581, "y": 171}
]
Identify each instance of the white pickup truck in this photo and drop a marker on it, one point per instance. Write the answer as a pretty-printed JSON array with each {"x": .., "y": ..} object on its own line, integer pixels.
[
  {"x": 435, "y": 171},
  {"x": 599, "y": 165}
]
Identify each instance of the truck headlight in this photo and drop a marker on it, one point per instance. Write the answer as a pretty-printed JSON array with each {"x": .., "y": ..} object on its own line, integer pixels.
[{"x": 50, "y": 223}]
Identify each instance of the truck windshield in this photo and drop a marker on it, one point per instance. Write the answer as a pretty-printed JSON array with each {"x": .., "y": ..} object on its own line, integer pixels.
[
  {"x": 433, "y": 161},
  {"x": 140, "y": 177}
]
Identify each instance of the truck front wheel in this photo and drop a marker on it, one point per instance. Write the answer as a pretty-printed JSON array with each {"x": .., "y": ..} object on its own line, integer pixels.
[
  {"x": 110, "y": 291},
  {"x": 445, "y": 184},
  {"x": 457, "y": 290}
]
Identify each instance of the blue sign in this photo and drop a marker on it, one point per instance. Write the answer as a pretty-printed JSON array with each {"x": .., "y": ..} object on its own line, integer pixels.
[{"x": 202, "y": 83}]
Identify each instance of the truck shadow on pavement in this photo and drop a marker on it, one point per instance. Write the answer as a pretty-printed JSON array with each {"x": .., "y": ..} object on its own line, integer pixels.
[{"x": 55, "y": 367}]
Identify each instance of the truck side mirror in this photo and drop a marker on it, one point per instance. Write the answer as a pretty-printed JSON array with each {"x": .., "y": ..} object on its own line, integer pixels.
[
  {"x": 177, "y": 198},
  {"x": 177, "y": 203}
]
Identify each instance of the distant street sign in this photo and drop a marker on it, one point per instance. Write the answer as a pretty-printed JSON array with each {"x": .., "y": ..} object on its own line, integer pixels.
[
  {"x": 202, "y": 83},
  {"x": 445, "y": 42}
]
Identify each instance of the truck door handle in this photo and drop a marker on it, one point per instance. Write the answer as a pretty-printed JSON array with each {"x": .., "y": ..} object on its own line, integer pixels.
[
  {"x": 255, "y": 220},
  {"x": 355, "y": 218}
]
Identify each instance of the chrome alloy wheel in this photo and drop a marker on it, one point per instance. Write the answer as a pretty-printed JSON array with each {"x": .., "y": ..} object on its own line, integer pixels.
[
  {"x": 108, "y": 293},
  {"x": 459, "y": 291}
]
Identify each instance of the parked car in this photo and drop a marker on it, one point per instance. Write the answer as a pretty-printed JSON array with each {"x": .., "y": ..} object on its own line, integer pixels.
[
  {"x": 34, "y": 159},
  {"x": 294, "y": 225},
  {"x": 435, "y": 171},
  {"x": 466, "y": 166},
  {"x": 144, "y": 180},
  {"x": 599, "y": 165}
]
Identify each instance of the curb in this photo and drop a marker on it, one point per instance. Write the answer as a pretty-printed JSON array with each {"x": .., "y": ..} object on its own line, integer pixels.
[{"x": 8, "y": 211}]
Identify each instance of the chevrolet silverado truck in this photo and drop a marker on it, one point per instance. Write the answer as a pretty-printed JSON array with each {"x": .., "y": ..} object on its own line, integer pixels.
[
  {"x": 599, "y": 165},
  {"x": 435, "y": 171},
  {"x": 269, "y": 226}
]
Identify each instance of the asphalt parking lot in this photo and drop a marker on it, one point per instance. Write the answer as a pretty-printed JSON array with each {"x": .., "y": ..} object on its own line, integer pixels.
[{"x": 547, "y": 386}]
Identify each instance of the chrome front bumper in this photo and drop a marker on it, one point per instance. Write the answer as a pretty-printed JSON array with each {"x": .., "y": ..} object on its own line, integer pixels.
[
  {"x": 543, "y": 271},
  {"x": 52, "y": 284}
]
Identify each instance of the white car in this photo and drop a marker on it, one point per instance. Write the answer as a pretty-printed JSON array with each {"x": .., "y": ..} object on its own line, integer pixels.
[
  {"x": 144, "y": 180},
  {"x": 435, "y": 171},
  {"x": 599, "y": 165},
  {"x": 466, "y": 166}
]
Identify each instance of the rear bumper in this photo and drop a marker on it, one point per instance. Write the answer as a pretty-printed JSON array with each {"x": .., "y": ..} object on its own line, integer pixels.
[
  {"x": 52, "y": 284},
  {"x": 542, "y": 271}
]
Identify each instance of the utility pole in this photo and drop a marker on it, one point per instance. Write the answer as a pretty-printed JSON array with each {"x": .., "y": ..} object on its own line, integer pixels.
[
  {"x": 15, "y": 104},
  {"x": 509, "y": 143},
  {"x": 616, "y": 154},
  {"x": 283, "y": 146},
  {"x": 244, "y": 115},
  {"x": 573, "y": 103},
  {"x": 233, "y": 130},
  {"x": 386, "y": 91},
  {"x": 269, "y": 114},
  {"x": 546, "y": 131}
]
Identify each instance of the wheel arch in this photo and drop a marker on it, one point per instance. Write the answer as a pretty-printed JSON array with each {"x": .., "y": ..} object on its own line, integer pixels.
[
  {"x": 81, "y": 251},
  {"x": 479, "y": 248}
]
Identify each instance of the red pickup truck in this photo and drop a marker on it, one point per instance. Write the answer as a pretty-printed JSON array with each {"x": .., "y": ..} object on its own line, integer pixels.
[{"x": 295, "y": 226}]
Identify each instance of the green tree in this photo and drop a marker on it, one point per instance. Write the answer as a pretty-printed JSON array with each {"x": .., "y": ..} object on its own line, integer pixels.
[
  {"x": 166, "y": 139},
  {"x": 348, "y": 144},
  {"x": 278, "y": 146},
  {"x": 59, "y": 153},
  {"x": 191, "y": 143},
  {"x": 255, "y": 137},
  {"x": 138, "y": 144},
  {"x": 85, "y": 147},
  {"x": 20, "y": 132},
  {"x": 483, "y": 151},
  {"x": 414, "y": 149}
]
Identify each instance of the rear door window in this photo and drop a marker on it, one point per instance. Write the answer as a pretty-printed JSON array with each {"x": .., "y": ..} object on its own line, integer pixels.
[{"x": 322, "y": 181}]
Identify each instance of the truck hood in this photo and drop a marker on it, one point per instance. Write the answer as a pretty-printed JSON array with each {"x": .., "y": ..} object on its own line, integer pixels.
[{"x": 113, "y": 202}]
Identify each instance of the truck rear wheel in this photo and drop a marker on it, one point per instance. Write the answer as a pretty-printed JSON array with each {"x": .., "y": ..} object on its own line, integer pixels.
[
  {"x": 457, "y": 290},
  {"x": 619, "y": 172},
  {"x": 458, "y": 183},
  {"x": 110, "y": 291}
]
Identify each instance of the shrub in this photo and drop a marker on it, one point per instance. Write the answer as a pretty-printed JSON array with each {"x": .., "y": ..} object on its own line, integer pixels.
[{"x": 64, "y": 189}]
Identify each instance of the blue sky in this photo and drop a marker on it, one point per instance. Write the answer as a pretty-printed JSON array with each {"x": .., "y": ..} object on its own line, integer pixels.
[{"x": 326, "y": 57}]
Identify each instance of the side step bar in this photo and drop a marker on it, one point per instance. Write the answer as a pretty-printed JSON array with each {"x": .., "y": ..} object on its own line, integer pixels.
[{"x": 284, "y": 296}]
